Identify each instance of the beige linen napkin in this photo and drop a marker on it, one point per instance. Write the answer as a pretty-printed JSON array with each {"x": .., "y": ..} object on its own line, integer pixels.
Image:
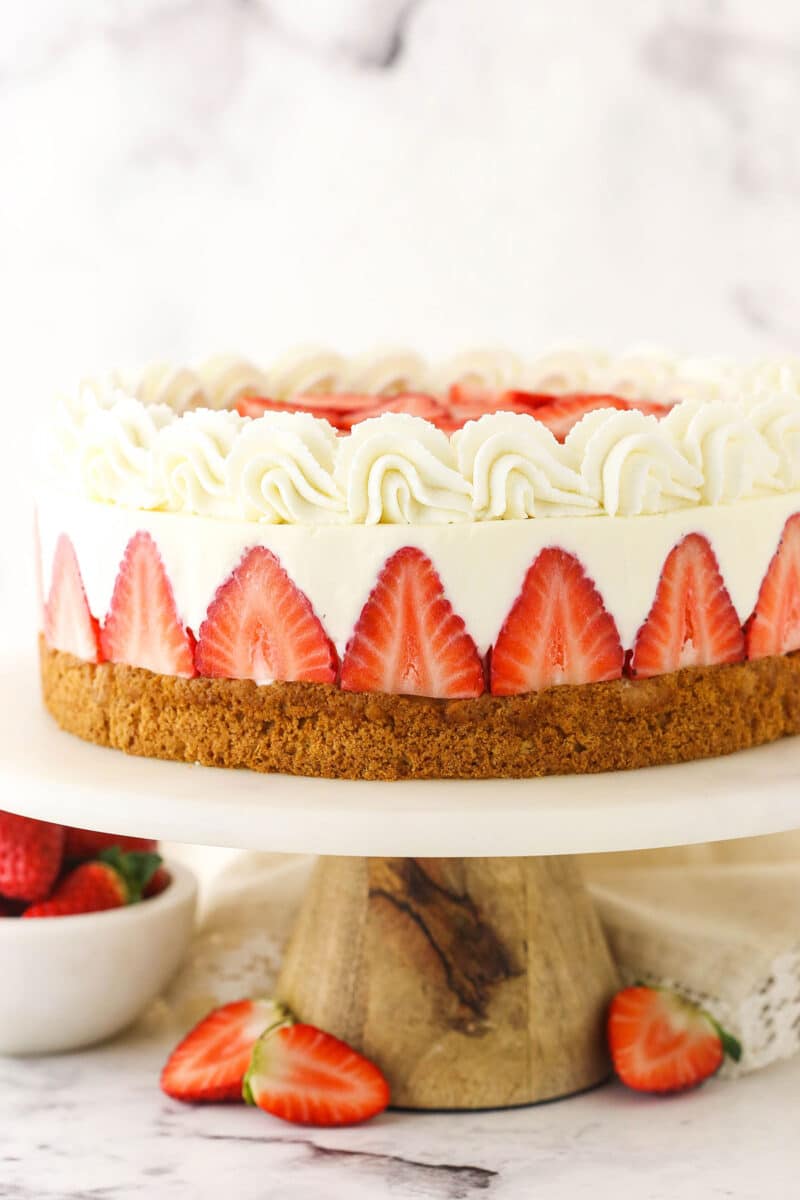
[{"x": 720, "y": 922}]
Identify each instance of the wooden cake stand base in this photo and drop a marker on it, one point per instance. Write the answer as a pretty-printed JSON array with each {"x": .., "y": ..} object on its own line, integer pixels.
[{"x": 473, "y": 983}]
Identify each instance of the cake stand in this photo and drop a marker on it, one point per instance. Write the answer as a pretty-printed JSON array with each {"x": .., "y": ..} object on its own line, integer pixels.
[{"x": 446, "y": 931}]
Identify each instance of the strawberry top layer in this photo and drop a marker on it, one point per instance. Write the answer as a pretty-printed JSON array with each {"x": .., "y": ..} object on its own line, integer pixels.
[{"x": 461, "y": 403}]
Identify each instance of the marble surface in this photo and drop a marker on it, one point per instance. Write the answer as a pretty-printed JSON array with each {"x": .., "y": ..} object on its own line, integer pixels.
[
  {"x": 249, "y": 174},
  {"x": 93, "y": 1125}
]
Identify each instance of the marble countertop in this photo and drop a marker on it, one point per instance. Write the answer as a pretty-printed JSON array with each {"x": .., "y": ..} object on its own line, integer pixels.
[{"x": 94, "y": 1125}]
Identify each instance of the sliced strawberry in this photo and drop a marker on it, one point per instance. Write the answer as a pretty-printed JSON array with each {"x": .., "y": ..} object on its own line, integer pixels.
[
  {"x": 692, "y": 622},
  {"x": 774, "y": 627},
  {"x": 559, "y": 413},
  {"x": 211, "y": 1061},
  {"x": 143, "y": 628},
  {"x": 408, "y": 640},
  {"x": 414, "y": 404},
  {"x": 68, "y": 623},
  {"x": 260, "y": 626},
  {"x": 562, "y": 412},
  {"x": 660, "y": 1042},
  {"x": 558, "y": 631},
  {"x": 306, "y": 1076}
]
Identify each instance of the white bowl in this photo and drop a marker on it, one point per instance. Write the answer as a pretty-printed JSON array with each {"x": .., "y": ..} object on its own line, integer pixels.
[{"x": 71, "y": 981}]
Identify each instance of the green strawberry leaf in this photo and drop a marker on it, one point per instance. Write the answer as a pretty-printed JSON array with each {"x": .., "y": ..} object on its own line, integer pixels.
[{"x": 136, "y": 868}]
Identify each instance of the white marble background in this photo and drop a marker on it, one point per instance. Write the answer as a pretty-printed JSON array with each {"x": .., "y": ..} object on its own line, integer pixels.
[{"x": 180, "y": 176}]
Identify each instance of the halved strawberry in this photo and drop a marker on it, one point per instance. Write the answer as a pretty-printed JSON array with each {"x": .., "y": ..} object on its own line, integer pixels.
[
  {"x": 660, "y": 1042},
  {"x": 558, "y": 631},
  {"x": 774, "y": 627},
  {"x": 211, "y": 1061},
  {"x": 260, "y": 626},
  {"x": 408, "y": 640},
  {"x": 143, "y": 628},
  {"x": 692, "y": 622},
  {"x": 68, "y": 623},
  {"x": 306, "y": 1076}
]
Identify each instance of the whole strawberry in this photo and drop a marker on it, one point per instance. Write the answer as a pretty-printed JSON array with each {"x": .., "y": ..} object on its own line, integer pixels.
[
  {"x": 85, "y": 843},
  {"x": 110, "y": 881},
  {"x": 30, "y": 856},
  {"x": 159, "y": 882}
]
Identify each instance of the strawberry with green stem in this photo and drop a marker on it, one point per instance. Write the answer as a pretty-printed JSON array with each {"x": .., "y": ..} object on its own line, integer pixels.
[{"x": 110, "y": 881}]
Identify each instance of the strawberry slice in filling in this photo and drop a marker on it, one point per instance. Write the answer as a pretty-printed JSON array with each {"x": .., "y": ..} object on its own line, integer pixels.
[
  {"x": 774, "y": 627},
  {"x": 692, "y": 622},
  {"x": 142, "y": 628},
  {"x": 260, "y": 626},
  {"x": 558, "y": 631},
  {"x": 408, "y": 640}
]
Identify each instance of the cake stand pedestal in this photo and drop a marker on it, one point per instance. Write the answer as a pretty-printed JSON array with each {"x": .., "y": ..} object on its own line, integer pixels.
[
  {"x": 473, "y": 982},
  {"x": 448, "y": 934}
]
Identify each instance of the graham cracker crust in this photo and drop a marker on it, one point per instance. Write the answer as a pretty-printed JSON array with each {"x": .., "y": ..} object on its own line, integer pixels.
[{"x": 316, "y": 729}]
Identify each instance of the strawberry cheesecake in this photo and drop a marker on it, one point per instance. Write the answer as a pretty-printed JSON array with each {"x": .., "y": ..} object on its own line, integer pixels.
[{"x": 377, "y": 568}]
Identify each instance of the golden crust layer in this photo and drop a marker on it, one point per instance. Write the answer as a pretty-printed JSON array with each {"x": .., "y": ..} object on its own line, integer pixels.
[{"x": 316, "y": 729}]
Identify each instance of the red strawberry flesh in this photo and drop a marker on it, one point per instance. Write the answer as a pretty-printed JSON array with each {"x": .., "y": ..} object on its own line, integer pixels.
[
  {"x": 774, "y": 627},
  {"x": 660, "y": 1042},
  {"x": 308, "y": 1077},
  {"x": 692, "y": 621},
  {"x": 558, "y": 631},
  {"x": 260, "y": 626},
  {"x": 143, "y": 628},
  {"x": 68, "y": 624},
  {"x": 408, "y": 640},
  {"x": 211, "y": 1061}
]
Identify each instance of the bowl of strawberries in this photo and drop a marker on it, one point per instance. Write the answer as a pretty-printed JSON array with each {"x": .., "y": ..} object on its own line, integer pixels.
[{"x": 92, "y": 928}]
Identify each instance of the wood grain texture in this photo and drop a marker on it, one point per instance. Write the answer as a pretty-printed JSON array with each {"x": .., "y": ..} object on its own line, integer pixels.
[{"x": 473, "y": 983}]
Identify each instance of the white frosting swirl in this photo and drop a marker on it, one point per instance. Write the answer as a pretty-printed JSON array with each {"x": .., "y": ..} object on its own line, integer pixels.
[
  {"x": 190, "y": 462},
  {"x": 177, "y": 387},
  {"x": 306, "y": 369},
  {"x": 733, "y": 432},
  {"x": 281, "y": 470},
  {"x": 773, "y": 406},
  {"x": 400, "y": 470},
  {"x": 630, "y": 465},
  {"x": 226, "y": 378},
  {"x": 495, "y": 370},
  {"x": 384, "y": 373},
  {"x": 733, "y": 458},
  {"x": 567, "y": 369},
  {"x": 116, "y": 453},
  {"x": 517, "y": 469}
]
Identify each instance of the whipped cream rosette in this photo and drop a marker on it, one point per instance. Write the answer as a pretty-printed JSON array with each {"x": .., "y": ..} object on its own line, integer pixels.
[
  {"x": 401, "y": 470},
  {"x": 517, "y": 469},
  {"x": 191, "y": 462},
  {"x": 281, "y": 470},
  {"x": 629, "y": 465}
]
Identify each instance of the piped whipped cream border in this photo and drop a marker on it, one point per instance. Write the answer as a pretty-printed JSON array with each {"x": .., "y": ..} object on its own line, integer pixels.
[
  {"x": 168, "y": 440},
  {"x": 337, "y": 567}
]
